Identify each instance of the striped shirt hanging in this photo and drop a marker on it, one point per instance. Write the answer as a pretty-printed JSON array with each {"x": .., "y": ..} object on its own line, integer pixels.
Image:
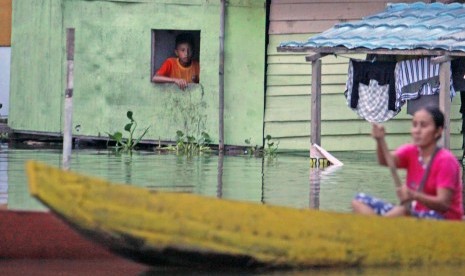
[{"x": 415, "y": 77}]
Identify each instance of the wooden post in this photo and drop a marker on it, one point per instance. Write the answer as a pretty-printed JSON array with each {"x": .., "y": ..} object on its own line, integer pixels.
[
  {"x": 444, "y": 101},
  {"x": 315, "y": 180},
  {"x": 219, "y": 178},
  {"x": 221, "y": 79},
  {"x": 315, "y": 135},
  {"x": 68, "y": 110}
]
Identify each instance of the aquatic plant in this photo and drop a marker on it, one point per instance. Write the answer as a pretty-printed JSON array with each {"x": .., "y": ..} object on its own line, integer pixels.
[
  {"x": 127, "y": 144},
  {"x": 251, "y": 149},
  {"x": 3, "y": 137},
  {"x": 188, "y": 144},
  {"x": 271, "y": 148}
]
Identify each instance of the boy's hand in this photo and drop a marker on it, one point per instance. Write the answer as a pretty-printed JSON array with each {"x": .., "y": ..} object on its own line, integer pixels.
[{"x": 182, "y": 84}]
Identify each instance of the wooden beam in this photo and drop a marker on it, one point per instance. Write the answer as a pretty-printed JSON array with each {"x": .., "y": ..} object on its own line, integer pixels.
[
  {"x": 68, "y": 110},
  {"x": 441, "y": 59},
  {"x": 294, "y": 49},
  {"x": 221, "y": 77},
  {"x": 444, "y": 101},
  {"x": 314, "y": 57},
  {"x": 315, "y": 127}
]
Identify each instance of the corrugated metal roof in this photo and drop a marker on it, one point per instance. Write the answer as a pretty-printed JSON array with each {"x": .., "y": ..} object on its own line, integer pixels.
[{"x": 435, "y": 26}]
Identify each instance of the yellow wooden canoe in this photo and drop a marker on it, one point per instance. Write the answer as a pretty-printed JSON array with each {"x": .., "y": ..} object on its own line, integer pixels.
[{"x": 191, "y": 230}]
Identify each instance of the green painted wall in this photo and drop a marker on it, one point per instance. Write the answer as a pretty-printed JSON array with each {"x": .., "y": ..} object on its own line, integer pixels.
[
  {"x": 287, "y": 113},
  {"x": 244, "y": 71},
  {"x": 112, "y": 67}
]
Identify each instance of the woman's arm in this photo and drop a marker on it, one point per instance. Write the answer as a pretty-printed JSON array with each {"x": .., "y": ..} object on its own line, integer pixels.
[
  {"x": 440, "y": 202},
  {"x": 378, "y": 133}
]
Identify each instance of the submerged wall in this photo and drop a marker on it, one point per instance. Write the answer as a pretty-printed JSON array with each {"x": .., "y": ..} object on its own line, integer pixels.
[{"x": 112, "y": 67}]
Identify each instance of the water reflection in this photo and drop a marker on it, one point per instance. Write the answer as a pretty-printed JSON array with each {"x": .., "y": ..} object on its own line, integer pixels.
[
  {"x": 122, "y": 267},
  {"x": 285, "y": 180},
  {"x": 219, "y": 190},
  {"x": 378, "y": 271},
  {"x": 3, "y": 179},
  {"x": 314, "y": 197}
]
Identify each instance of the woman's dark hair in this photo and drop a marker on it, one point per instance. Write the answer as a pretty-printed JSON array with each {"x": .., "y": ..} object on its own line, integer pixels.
[{"x": 436, "y": 113}]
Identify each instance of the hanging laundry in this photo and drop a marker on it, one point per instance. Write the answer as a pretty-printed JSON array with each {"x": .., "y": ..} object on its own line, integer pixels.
[
  {"x": 458, "y": 77},
  {"x": 422, "y": 101},
  {"x": 373, "y": 102},
  {"x": 415, "y": 77},
  {"x": 458, "y": 73},
  {"x": 362, "y": 72}
]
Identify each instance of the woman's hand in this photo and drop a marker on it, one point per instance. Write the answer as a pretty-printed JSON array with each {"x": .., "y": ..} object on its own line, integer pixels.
[
  {"x": 377, "y": 131},
  {"x": 404, "y": 194}
]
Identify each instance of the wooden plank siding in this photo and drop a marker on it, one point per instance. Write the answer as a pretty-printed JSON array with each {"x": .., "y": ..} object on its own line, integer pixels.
[
  {"x": 288, "y": 85},
  {"x": 294, "y": 16},
  {"x": 5, "y": 23}
]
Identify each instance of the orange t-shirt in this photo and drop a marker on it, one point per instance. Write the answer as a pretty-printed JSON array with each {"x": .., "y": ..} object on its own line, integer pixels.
[{"x": 173, "y": 69}]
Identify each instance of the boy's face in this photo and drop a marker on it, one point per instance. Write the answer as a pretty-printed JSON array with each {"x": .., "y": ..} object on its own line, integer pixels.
[{"x": 184, "y": 52}]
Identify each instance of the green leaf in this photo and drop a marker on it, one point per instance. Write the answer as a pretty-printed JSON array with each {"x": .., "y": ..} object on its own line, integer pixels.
[
  {"x": 118, "y": 136},
  {"x": 190, "y": 139},
  {"x": 128, "y": 127},
  {"x": 129, "y": 115},
  {"x": 205, "y": 138},
  {"x": 140, "y": 137}
]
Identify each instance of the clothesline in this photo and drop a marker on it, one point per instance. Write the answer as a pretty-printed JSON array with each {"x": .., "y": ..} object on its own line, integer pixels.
[{"x": 376, "y": 90}]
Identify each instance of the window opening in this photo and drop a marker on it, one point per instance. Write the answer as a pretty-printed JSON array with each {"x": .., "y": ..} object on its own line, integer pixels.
[{"x": 164, "y": 45}]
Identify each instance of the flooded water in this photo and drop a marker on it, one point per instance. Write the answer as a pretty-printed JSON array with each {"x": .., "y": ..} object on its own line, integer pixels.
[{"x": 285, "y": 180}]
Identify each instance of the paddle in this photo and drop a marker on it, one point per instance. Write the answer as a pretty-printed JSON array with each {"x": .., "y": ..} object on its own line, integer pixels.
[
  {"x": 389, "y": 161},
  {"x": 391, "y": 165}
]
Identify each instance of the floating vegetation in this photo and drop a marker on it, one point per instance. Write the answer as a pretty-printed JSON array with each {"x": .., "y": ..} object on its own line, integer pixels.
[
  {"x": 127, "y": 144},
  {"x": 189, "y": 145},
  {"x": 270, "y": 149}
]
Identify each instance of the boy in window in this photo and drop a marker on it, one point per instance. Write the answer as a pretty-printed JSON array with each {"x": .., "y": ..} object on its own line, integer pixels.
[{"x": 181, "y": 69}]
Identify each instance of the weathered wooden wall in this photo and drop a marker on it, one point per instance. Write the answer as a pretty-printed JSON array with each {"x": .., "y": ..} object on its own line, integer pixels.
[
  {"x": 287, "y": 112},
  {"x": 37, "y": 66},
  {"x": 5, "y": 22},
  {"x": 112, "y": 67}
]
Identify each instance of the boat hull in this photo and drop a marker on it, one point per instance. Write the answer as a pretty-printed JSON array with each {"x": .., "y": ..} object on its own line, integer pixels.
[
  {"x": 160, "y": 228},
  {"x": 41, "y": 235}
]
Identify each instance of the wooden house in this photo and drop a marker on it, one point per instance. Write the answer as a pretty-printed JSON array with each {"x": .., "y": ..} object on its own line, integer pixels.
[
  {"x": 338, "y": 127},
  {"x": 120, "y": 43}
]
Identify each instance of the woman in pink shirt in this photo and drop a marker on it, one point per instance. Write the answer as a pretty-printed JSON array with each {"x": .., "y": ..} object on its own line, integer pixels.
[{"x": 440, "y": 195}]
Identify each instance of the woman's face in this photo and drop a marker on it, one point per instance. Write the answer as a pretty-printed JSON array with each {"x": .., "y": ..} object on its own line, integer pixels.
[{"x": 424, "y": 131}]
